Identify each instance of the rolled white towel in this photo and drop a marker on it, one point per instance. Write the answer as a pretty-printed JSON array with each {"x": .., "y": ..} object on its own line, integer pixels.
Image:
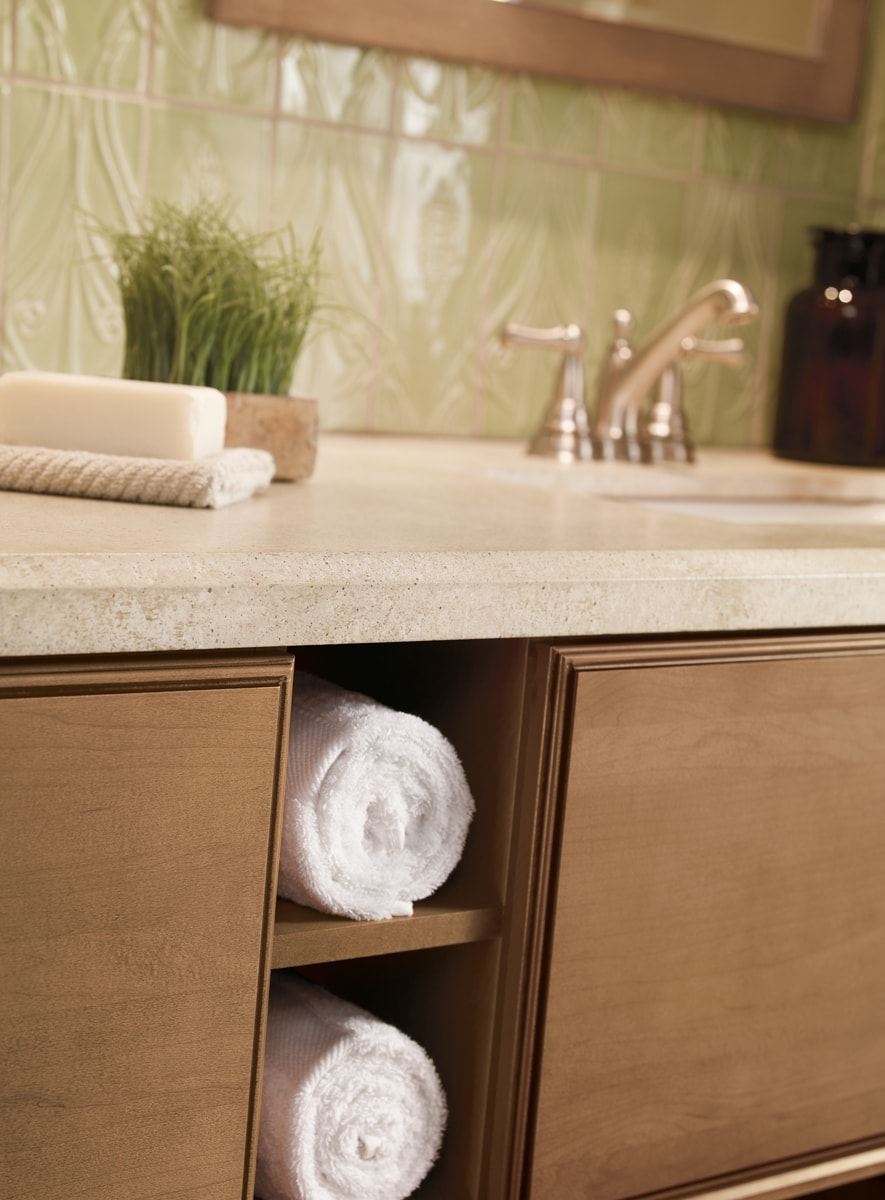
[
  {"x": 351, "y": 1108},
  {"x": 377, "y": 805}
]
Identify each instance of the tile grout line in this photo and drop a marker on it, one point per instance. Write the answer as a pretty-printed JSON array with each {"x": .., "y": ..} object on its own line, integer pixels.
[
  {"x": 6, "y": 181},
  {"x": 382, "y": 299},
  {"x": 603, "y": 137},
  {"x": 692, "y": 176},
  {"x": 869, "y": 145},
  {"x": 760, "y": 398},
  {"x": 272, "y": 165},
  {"x": 502, "y": 123},
  {"x": 536, "y": 154},
  {"x": 752, "y": 189},
  {"x": 133, "y": 95},
  {"x": 146, "y": 114}
]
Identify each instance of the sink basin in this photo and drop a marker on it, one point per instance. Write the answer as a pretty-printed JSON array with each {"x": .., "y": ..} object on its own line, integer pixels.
[
  {"x": 771, "y": 512},
  {"x": 764, "y": 488}
]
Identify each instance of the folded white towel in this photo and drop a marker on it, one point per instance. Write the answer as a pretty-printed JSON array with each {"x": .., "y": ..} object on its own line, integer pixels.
[
  {"x": 377, "y": 806},
  {"x": 351, "y": 1108},
  {"x": 211, "y": 482}
]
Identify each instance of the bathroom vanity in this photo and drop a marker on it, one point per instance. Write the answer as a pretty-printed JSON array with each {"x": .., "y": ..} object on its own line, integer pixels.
[{"x": 659, "y": 969}]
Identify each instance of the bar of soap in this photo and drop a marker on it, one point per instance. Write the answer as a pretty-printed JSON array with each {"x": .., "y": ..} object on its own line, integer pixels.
[{"x": 111, "y": 416}]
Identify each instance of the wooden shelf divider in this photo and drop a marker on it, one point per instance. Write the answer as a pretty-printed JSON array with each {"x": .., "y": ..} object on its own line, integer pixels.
[{"x": 303, "y": 936}]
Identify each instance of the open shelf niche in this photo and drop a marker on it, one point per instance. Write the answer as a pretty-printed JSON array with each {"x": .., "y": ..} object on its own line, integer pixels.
[{"x": 439, "y": 974}]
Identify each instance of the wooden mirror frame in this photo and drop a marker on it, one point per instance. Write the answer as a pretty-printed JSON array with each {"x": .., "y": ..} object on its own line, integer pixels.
[{"x": 515, "y": 37}]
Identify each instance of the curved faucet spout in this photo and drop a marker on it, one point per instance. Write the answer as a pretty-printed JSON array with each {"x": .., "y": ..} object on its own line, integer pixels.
[{"x": 629, "y": 375}]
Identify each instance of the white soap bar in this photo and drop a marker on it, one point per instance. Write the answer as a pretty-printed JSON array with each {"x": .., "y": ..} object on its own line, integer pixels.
[{"x": 111, "y": 416}]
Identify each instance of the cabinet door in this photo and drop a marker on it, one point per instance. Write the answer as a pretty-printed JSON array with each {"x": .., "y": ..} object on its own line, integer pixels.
[
  {"x": 139, "y": 809},
  {"x": 716, "y": 974}
]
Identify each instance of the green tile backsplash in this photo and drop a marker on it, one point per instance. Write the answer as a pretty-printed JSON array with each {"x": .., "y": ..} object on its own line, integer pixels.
[
  {"x": 451, "y": 199},
  {"x": 73, "y": 164},
  {"x": 102, "y": 43}
]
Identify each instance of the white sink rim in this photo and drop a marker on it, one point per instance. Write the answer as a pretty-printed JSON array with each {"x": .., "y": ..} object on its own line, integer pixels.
[
  {"x": 718, "y": 474},
  {"x": 750, "y": 511}
]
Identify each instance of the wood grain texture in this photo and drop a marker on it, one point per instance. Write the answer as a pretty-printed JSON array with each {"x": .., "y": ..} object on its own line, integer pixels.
[
  {"x": 304, "y": 936},
  {"x": 823, "y": 1175},
  {"x": 523, "y": 38},
  {"x": 140, "y": 804},
  {"x": 717, "y": 971}
]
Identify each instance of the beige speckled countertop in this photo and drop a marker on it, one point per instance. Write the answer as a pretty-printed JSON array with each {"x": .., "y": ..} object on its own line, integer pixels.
[{"x": 399, "y": 539}]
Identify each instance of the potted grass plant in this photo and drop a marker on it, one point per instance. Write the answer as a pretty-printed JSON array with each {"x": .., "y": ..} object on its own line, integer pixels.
[{"x": 206, "y": 303}]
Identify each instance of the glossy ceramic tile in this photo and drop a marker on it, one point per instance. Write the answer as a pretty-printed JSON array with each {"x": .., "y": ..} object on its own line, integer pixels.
[
  {"x": 217, "y": 156},
  {"x": 5, "y": 35},
  {"x": 334, "y": 181},
  {"x": 803, "y": 155},
  {"x": 639, "y": 256},
  {"x": 652, "y": 133},
  {"x": 103, "y": 43},
  {"x": 437, "y": 239},
  {"x": 336, "y": 83},
  {"x": 4, "y": 207},
  {"x": 453, "y": 103},
  {"x": 202, "y": 60},
  {"x": 730, "y": 234},
  {"x": 541, "y": 274},
  {"x": 874, "y": 99},
  {"x": 73, "y": 166},
  {"x": 554, "y": 116}
]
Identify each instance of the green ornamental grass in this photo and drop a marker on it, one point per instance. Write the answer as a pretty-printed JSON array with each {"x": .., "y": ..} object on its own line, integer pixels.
[{"x": 206, "y": 303}]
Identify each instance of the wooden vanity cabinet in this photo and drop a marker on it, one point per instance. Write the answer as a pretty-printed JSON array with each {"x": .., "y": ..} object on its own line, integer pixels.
[
  {"x": 658, "y": 970},
  {"x": 140, "y": 801},
  {"x": 710, "y": 921}
]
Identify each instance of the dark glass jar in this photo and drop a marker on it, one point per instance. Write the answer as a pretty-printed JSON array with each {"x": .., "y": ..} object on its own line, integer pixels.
[{"x": 831, "y": 396}]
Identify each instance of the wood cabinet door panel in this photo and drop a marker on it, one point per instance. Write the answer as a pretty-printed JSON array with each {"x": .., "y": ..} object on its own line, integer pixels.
[
  {"x": 716, "y": 995},
  {"x": 138, "y": 838}
]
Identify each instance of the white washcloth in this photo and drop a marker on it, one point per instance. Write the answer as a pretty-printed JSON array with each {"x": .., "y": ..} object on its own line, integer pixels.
[
  {"x": 211, "y": 482},
  {"x": 377, "y": 806},
  {"x": 351, "y": 1108}
]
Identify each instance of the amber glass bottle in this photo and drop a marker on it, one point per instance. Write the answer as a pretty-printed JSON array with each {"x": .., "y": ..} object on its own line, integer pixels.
[{"x": 831, "y": 396}]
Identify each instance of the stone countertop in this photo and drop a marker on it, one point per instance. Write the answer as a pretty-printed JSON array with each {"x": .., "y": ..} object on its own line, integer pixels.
[{"x": 402, "y": 539}]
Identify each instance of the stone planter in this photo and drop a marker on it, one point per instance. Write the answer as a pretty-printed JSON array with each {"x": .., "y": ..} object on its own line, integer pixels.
[{"x": 286, "y": 426}]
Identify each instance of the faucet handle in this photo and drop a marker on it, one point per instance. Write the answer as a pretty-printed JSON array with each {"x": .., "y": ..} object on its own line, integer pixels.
[
  {"x": 565, "y": 430},
  {"x": 665, "y": 436},
  {"x": 568, "y": 338},
  {"x": 624, "y": 323},
  {"x": 728, "y": 351}
]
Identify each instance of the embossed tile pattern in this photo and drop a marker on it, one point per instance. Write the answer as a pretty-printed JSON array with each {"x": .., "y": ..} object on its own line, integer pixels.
[
  {"x": 440, "y": 100},
  {"x": 553, "y": 116},
  {"x": 451, "y": 199},
  {"x": 102, "y": 42},
  {"x": 649, "y": 132},
  {"x": 199, "y": 154},
  {"x": 438, "y": 239},
  {"x": 72, "y": 155},
  {"x": 732, "y": 233},
  {"x": 199, "y": 59},
  {"x": 336, "y": 83},
  {"x": 5, "y": 35},
  {"x": 335, "y": 179},
  {"x": 537, "y": 278}
]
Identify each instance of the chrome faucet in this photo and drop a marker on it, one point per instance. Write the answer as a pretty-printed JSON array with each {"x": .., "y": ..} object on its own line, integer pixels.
[
  {"x": 620, "y": 430},
  {"x": 564, "y": 433},
  {"x": 629, "y": 375}
]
